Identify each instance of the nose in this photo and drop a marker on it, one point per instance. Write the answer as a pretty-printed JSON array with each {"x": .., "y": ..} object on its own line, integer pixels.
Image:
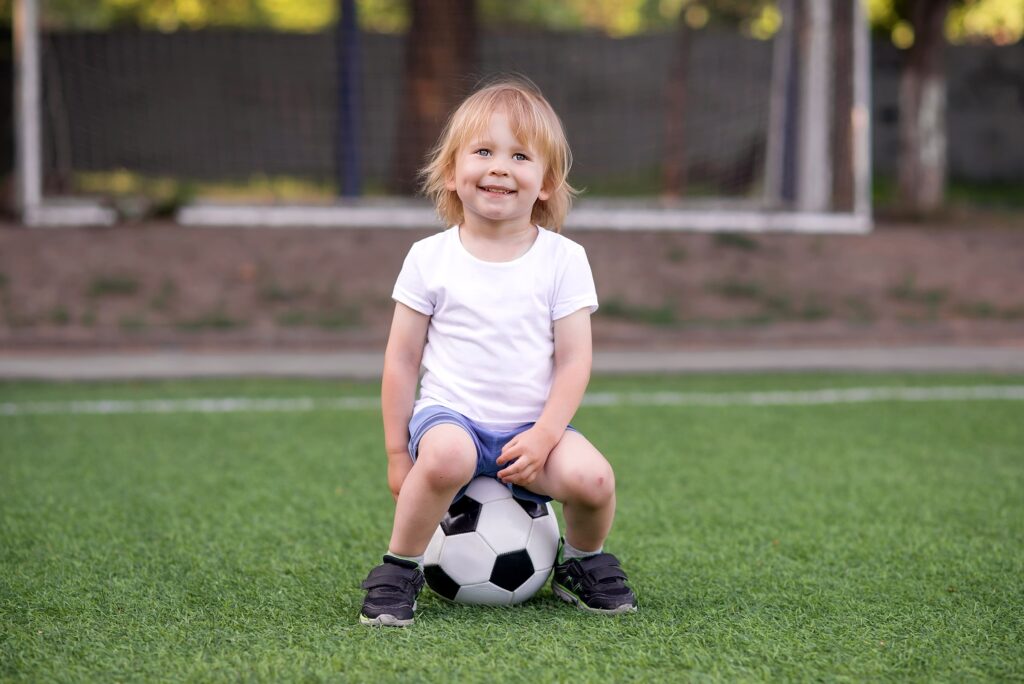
[{"x": 498, "y": 169}]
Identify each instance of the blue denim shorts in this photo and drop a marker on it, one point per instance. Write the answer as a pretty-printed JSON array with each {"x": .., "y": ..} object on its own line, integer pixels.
[{"x": 488, "y": 445}]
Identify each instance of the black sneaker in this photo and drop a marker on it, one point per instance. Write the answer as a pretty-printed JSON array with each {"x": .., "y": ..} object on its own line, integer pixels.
[
  {"x": 596, "y": 584},
  {"x": 391, "y": 591}
]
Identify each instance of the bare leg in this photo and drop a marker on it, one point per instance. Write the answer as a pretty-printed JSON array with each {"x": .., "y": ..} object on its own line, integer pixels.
[
  {"x": 579, "y": 476},
  {"x": 446, "y": 461}
]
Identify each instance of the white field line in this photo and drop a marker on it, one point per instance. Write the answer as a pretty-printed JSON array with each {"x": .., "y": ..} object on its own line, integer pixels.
[
  {"x": 856, "y": 395},
  {"x": 220, "y": 405},
  {"x": 853, "y": 395}
]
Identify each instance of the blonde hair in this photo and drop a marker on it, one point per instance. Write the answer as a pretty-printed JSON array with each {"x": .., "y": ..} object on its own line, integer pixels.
[{"x": 532, "y": 120}]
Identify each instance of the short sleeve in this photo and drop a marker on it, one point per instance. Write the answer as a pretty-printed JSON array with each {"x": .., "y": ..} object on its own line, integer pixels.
[
  {"x": 574, "y": 289},
  {"x": 410, "y": 288}
]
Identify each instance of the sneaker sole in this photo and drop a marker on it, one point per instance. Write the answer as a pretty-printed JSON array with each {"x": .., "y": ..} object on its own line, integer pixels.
[
  {"x": 569, "y": 597},
  {"x": 386, "y": 620}
]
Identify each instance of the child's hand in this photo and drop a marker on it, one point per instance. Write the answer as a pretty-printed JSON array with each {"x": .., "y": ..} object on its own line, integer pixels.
[
  {"x": 399, "y": 465},
  {"x": 529, "y": 450}
]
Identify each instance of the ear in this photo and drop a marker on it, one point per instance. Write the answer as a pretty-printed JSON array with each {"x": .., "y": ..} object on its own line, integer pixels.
[
  {"x": 449, "y": 181},
  {"x": 545, "y": 191}
]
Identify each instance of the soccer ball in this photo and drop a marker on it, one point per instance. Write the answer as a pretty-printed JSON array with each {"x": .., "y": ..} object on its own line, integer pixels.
[{"x": 491, "y": 549}]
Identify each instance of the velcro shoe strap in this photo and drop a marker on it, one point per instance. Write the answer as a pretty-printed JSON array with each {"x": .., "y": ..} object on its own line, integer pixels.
[
  {"x": 388, "y": 575},
  {"x": 602, "y": 567},
  {"x": 606, "y": 573}
]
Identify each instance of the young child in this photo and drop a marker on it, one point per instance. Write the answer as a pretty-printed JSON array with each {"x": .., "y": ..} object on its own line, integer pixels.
[{"x": 496, "y": 310}]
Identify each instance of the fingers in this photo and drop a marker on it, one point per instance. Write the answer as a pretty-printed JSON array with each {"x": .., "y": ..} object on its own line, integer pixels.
[
  {"x": 511, "y": 473},
  {"x": 525, "y": 478},
  {"x": 520, "y": 473},
  {"x": 508, "y": 452}
]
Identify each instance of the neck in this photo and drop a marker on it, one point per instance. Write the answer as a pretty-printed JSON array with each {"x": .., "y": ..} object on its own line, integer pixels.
[
  {"x": 497, "y": 244},
  {"x": 499, "y": 232}
]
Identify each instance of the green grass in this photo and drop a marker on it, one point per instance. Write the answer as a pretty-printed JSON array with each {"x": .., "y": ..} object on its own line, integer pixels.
[
  {"x": 214, "y": 319},
  {"x": 617, "y": 308},
  {"x": 113, "y": 286},
  {"x": 1004, "y": 196},
  {"x": 860, "y": 542}
]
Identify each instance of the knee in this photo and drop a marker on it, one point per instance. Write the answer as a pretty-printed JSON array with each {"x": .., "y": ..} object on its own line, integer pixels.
[
  {"x": 592, "y": 487},
  {"x": 446, "y": 466}
]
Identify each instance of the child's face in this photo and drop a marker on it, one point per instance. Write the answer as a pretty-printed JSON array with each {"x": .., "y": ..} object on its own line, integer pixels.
[{"x": 498, "y": 177}]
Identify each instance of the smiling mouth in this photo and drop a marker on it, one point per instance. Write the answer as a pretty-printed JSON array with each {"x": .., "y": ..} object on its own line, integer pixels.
[{"x": 497, "y": 191}]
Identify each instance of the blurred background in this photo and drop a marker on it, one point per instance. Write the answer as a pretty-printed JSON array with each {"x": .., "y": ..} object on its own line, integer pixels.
[{"x": 730, "y": 108}]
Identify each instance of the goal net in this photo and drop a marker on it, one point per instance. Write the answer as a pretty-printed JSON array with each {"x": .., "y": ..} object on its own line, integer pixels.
[{"x": 691, "y": 114}]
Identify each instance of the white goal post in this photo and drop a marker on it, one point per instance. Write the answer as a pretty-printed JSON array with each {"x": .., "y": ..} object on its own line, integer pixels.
[
  {"x": 34, "y": 209},
  {"x": 796, "y": 172}
]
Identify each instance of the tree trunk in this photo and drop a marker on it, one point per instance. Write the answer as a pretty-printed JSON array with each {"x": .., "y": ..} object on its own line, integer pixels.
[
  {"x": 842, "y": 113},
  {"x": 922, "y": 123},
  {"x": 673, "y": 165},
  {"x": 439, "y": 56}
]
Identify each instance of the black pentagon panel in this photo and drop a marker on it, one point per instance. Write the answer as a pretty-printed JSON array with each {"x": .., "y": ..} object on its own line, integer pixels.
[
  {"x": 439, "y": 581},
  {"x": 462, "y": 516},
  {"x": 511, "y": 570},
  {"x": 532, "y": 508}
]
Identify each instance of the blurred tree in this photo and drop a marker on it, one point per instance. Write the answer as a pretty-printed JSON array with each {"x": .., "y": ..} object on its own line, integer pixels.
[
  {"x": 921, "y": 28},
  {"x": 442, "y": 35},
  {"x": 922, "y": 106},
  {"x": 755, "y": 17},
  {"x": 843, "y": 181},
  {"x": 440, "y": 51},
  {"x": 998, "y": 21},
  {"x": 673, "y": 164},
  {"x": 620, "y": 18},
  {"x": 388, "y": 16}
]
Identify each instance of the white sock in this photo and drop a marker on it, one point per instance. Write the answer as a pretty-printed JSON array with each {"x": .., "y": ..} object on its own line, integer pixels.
[
  {"x": 418, "y": 560},
  {"x": 570, "y": 551}
]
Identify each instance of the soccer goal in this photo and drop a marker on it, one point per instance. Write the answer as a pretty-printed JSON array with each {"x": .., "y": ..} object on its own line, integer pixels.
[{"x": 687, "y": 118}]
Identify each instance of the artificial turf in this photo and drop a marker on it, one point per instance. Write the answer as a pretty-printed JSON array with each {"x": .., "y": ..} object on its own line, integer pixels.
[{"x": 872, "y": 541}]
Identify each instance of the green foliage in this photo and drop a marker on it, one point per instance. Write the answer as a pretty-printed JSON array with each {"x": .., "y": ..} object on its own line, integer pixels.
[
  {"x": 615, "y": 17},
  {"x": 739, "y": 241},
  {"x": 215, "y": 319},
  {"x": 113, "y": 286},
  {"x": 736, "y": 289},
  {"x": 907, "y": 290},
  {"x": 997, "y": 21},
  {"x": 165, "y": 296},
  {"x": 616, "y": 308},
  {"x": 59, "y": 315},
  {"x": 877, "y": 542},
  {"x": 132, "y": 323},
  {"x": 629, "y": 17}
]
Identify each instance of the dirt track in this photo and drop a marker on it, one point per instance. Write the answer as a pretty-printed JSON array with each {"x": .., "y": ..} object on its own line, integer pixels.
[{"x": 164, "y": 286}]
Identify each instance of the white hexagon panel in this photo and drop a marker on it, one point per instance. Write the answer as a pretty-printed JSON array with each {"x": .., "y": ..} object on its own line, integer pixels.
[
  {"x": 485, "y": 594},
  {"x": 467, "y": 559},
  {"x": 504, "y": 525},
  {"x": 485, "y": 489},
  {"x": 543, "y": 542}
]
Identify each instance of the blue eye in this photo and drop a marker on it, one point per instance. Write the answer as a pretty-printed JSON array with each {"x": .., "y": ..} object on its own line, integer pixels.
[
  {"x": 483, "y": 152},
  {"x": 519, "y": 156}
]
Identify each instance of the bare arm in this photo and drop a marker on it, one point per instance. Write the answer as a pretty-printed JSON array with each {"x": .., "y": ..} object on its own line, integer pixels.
[
  {"x": 573, "y": 359},
  {"x": 398, "y": 388}
]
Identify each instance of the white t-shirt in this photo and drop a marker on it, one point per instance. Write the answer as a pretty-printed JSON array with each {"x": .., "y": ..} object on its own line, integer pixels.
[{"x": 490, "y": 345}]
